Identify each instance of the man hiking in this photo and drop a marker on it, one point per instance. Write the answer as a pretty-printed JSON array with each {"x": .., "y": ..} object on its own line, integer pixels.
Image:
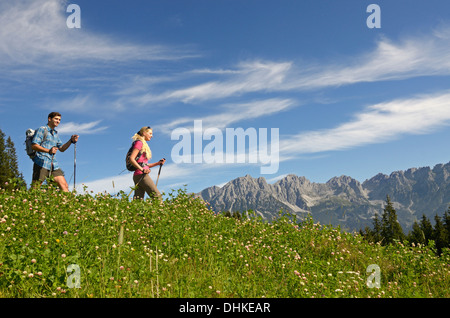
[{"x": 46, "y": 143}]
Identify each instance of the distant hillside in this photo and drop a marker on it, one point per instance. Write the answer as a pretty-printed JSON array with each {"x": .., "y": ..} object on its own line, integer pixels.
[{"x": 342, "y": 200}]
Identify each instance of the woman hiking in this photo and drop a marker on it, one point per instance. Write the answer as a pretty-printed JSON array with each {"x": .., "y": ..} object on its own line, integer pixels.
[{"x": 141, "y": 176}]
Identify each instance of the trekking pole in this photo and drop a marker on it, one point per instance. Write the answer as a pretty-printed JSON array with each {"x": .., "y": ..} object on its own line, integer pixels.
[
  {"x": 159, "y": 172},
  {"x": 74, "y": 165},
  {"x": 51, "y": 166}
]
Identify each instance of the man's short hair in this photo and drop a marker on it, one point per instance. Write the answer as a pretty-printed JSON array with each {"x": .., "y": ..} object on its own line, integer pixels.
[{"x": 54, "y": 114}]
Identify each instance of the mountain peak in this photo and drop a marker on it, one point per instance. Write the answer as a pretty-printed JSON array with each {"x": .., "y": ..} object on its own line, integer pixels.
[
  {"x": 342, "y": 179},
  {"x": 341, "y": 200}
]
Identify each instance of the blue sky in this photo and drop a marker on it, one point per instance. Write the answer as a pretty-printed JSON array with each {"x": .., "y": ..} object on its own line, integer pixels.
[{"x": 346, "y": 99}]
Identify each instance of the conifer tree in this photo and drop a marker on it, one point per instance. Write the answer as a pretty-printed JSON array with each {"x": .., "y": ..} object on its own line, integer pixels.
[
  {"x": 416, "y": 235},
  {"x": 12, "y": 159},
  {"x": 9, "y": 167},
  {"x": 446, "y": 220},
  {"x": 3, "y": 160},
  {"x": 391, "y": 229},
  {"x": 427, "y": 228},
  {"x": 439, "y": 234},
  {"x": 376, "y": 234}
]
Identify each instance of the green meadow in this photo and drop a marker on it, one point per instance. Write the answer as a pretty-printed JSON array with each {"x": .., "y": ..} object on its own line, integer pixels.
[{"x": 68, "y": 245}]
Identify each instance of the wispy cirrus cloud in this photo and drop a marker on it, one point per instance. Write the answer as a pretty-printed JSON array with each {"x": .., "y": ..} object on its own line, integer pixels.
[
  {"x": 415, "y": 56},
  {"x": 376, "y": 124},
  {"x": 83, "y": 103},
  {"x": 70, "y": 128},
  {"x": 248, "y": 77},
  {"x": 233, "y": 113},
  {"x": 34, "y": 33}
]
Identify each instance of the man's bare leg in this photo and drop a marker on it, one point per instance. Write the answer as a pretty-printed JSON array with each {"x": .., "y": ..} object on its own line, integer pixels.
[{"x": 62, "y": 183}]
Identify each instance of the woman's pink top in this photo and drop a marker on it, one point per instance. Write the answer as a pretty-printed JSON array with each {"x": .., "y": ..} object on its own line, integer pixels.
[{"x": 142, "y": 159}]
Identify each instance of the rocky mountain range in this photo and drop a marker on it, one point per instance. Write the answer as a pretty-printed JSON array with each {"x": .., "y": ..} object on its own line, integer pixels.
[{"x": 342, "y": 200}]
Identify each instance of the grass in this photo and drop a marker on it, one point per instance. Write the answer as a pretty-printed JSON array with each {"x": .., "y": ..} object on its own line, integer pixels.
[{"x": 180, "y": 248}]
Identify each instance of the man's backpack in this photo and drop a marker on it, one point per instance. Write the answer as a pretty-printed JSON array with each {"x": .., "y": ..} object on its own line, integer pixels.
[
  {"x": 29, "y": 138},
  {"x": 128, "y": 163}
]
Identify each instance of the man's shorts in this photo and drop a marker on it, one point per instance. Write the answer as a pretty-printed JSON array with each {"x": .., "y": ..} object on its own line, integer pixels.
[{"x": 40, "y": 174}]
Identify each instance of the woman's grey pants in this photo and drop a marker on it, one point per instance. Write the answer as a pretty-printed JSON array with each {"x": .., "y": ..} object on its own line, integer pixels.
[{"x": 145, "y": 184}]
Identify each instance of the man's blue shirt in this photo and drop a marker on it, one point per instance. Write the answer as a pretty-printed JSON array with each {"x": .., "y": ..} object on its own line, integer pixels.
[{"x": 44, "y": 159}]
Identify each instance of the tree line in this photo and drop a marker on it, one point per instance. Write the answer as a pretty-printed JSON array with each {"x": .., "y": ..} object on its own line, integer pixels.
[
  {"x": 388, "y": 230},
  {"x": 10, "y": 176}
]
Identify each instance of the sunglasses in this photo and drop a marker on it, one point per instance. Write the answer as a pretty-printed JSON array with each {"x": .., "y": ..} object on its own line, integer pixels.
[{"x": 139, "y": 132}]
